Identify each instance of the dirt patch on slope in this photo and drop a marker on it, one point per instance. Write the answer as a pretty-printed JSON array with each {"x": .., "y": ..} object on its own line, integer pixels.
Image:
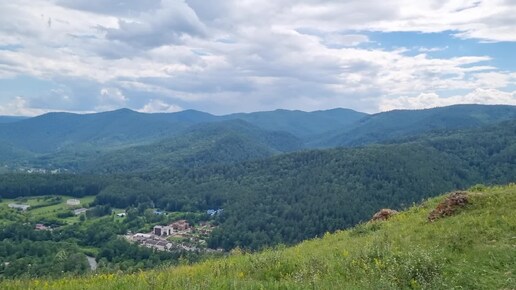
[
  {"x": 449, "y": 205},
  {"x": 384, "y": 214}
]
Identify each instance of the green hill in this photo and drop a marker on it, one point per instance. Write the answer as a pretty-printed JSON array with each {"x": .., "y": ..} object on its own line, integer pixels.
[
  {"x": 472, "y": 249},
  {"x": 54, "y": 132},
  {"x": 301, "y": 124},
  {"x": 219, "y": 142},
  {"x": 70, "y": 141},
  {"x": 10, "y": 119},
  {"x": 402, "y": 123}
]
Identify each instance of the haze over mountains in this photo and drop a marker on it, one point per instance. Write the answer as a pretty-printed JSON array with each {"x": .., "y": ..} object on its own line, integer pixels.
[{"x": 122, "y": 137}]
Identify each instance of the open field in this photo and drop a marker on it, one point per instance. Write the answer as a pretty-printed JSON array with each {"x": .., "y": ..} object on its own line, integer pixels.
[{"x": 48, "y": 206}]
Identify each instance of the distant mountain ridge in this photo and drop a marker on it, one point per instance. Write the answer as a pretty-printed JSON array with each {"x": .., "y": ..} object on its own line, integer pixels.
[
  {"x": 54, "y": 131},
  {"x": 67, "y": 140},
  {"x": 299, "y": 123},
  {"x": 11, "y": 119},
  {"x": 402, "y": 123}
]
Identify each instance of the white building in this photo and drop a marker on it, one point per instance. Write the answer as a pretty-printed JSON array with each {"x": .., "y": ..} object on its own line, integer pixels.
[
  {"x": 162, "y": 230},
  {"x": 80, "y": 211},
  {"x": 23, "y": 207},
  {"x": 73, "y": 202}
]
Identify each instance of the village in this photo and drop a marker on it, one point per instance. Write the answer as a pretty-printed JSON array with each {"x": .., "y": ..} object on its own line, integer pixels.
[{"x": 179, "y": 235}]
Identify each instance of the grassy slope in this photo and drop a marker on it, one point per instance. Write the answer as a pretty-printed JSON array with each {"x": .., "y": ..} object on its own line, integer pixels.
[{"x": 475, "y": 249}]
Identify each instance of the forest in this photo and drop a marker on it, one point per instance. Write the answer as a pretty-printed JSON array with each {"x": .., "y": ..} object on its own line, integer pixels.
[{"x": 292, "y": 197}]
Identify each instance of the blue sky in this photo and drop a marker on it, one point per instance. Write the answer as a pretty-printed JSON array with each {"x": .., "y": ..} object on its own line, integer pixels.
[{"x": 241, "y": 56}]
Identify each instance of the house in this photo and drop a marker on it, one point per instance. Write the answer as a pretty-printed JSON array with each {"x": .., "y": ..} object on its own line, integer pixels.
[
  {"x": 180, "y": 225},
  {"x": 162, "y": 231},
  {"x": 157, "y": 244},
  {"x": 158, "y": 212},
  {"x": 213, "y": 212},
  {"x": 122, "y": 214},
  {"x": 80, "y": 211},
  {"x": 40, "y": 227},
  {"x": 73, "y": 202},
  {"x": 141, "y": 236},
  {"x": 23, "y": 207}
]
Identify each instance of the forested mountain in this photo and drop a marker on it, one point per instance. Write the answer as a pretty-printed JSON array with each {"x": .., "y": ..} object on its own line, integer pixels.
[
  {"x": 296, "y": 196},
  {"x": 58, "y": 131},
  {"x": 219, "y": 142},
  {"x": 65, "y": 140},
  {"x": 401, "y": 123},
  {"x": 70, "y": 141},
  {"x": 10, "y": 119},
  {"x": 299, "y": 123},
  {"x": 291, "y": 197}
]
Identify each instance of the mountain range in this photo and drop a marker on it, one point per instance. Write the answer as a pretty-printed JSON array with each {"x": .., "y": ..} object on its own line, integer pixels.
[{"x": 126, "y": 138}]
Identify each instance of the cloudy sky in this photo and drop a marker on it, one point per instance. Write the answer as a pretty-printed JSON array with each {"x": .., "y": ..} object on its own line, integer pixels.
[{"x": 249, "y": 55}]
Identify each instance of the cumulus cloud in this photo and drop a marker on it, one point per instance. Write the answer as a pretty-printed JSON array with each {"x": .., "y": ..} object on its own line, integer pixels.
[
  {"x": 119, "y": 7},
  {"x": 432, "y": 100},
  {"x": 159, "y": 106},
  {"x": 111, "y": 98},
  {"x": 19, "y": 106},
  {"x": 249, "y": 55},
  {"x": 173, "y": 21}
]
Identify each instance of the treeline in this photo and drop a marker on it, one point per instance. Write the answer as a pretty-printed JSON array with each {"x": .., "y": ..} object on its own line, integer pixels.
[{"x": 14, "y": 185}]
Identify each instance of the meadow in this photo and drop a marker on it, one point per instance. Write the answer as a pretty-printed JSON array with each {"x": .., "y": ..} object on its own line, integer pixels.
[{"x": 48, "y": 207}]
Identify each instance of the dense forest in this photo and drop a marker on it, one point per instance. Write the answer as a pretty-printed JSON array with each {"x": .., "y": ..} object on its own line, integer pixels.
[{"x": 288, "y": 198}]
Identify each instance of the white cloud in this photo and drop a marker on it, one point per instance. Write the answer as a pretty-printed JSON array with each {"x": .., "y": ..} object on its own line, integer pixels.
[
  {"x": 20, "y": 107},
  {"x": 432, "y": 100},
  {"x": 159, "y": 106},
  {"x": 246, "y": 55},
  {"x": 111, "y": 98}
]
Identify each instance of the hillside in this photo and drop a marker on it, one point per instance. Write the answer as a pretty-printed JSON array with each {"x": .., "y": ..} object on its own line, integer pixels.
[
  {"x": 67, "y": 141},
  {"x": 301, "y": 124},
  {"x": 292, "y": 197},
  {"x": 219, "y": 142},
  {"x": 296, "y": 196},
  {"x": 10, "y": 119},
  {"x": 75, "y": 141},
  {"x": 59, "y": 131},
  {"x": 473, "y": 249},
  {"x": 402, "y": 123}
]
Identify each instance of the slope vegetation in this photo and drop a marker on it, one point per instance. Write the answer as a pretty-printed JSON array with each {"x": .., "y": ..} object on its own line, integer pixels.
[
  {"x": 472, "y": 249},
  {"x": 402, "y": 123},
  {"x": 220, "y": 142}
]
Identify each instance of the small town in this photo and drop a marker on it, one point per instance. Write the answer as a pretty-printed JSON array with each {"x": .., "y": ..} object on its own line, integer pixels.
[{"x": 179, "y": 235}]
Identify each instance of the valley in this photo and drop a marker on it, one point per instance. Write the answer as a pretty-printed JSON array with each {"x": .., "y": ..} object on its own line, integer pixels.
[
  {"x": 220, "y": 185},
  {"x": 192, "y": 144}
]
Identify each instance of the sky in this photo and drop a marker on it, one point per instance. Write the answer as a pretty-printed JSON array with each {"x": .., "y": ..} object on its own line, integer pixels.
[{"x": 254, "y": 55}]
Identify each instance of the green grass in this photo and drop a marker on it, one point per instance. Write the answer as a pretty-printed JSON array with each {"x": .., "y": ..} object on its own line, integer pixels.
[
  {"x": 474, "y": 249},
  {"x": 47, "y": 210}
]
